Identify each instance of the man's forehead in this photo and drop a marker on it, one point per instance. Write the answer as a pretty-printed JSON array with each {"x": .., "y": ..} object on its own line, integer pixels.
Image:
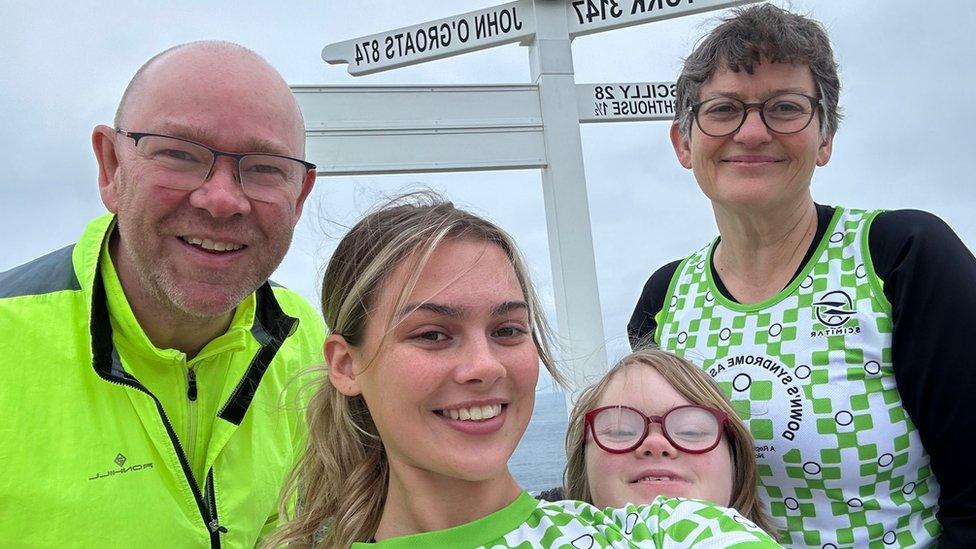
[{"x": 226, "y": 100}]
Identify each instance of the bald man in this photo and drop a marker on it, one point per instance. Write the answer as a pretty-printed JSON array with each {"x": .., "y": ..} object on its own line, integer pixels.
[{"x": 148, "y": 391}]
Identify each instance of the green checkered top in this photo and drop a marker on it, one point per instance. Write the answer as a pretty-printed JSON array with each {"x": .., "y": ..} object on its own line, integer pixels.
[
  {"x": 809, "y": 370},
  {"x": 528, "y": 523}
]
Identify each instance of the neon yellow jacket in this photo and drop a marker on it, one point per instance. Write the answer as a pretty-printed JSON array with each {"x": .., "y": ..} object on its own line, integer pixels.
[{"x": 107, "y": 441}]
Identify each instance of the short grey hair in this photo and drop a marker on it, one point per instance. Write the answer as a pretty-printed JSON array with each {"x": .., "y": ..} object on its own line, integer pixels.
[{"x": 755, "y": 34}]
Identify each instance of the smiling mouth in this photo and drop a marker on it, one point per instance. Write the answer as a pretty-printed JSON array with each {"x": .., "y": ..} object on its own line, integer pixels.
[
  {"x": 661, "y": 478},
  {"x": 751, "y": 161},
  {"x": 474, "y": 413},
  {"x": 212, "y": 246}
]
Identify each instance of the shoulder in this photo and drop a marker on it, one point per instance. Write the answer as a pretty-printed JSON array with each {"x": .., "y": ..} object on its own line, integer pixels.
[
  {"x": 642, "y": 323},
  {"x": 913, "y": 236},
  {"x": 50, "y": 273},
  {"x": 653, "y": 294},
  {"x": 903, "y": 225},
  {"x": 661, "y": 278}
]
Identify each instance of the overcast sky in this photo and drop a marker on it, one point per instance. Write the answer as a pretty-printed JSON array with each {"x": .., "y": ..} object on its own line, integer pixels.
[{"x": 907, "y": 140}]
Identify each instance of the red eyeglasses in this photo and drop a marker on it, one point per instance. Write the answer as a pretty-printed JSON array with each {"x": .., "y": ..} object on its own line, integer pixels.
[{"x": 690, "y": 428}]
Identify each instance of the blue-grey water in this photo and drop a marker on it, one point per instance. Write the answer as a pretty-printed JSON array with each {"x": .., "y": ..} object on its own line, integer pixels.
[{"x": 539, "y": 460}]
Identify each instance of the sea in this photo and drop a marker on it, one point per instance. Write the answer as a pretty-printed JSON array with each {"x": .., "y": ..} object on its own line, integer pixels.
[{"x": 540, "y": 457}]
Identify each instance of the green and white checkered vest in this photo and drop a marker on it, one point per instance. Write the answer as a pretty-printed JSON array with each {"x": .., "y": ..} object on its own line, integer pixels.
[{"x": 809, "y": 371}]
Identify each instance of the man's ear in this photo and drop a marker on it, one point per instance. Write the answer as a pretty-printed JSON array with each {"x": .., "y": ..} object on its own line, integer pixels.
[
  {"x": 342, "y": 372},
  {"x": 682, "y": 146},
  {"x": 103, "y": 142},
  {"x": 307, "y": 185}
]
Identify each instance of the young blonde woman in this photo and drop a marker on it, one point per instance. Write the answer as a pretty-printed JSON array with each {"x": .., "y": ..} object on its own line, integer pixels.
[
  {"x": 433, "y": 362},
  {"x": 655, "y": 425}
]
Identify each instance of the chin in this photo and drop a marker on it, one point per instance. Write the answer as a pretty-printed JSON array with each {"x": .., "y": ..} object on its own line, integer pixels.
[
  {"x": 206, "y": 306},
  {"x": 480, "y": 469}
]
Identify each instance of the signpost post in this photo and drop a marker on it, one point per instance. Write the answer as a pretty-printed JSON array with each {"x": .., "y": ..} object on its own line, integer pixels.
[{"x": 411, "y": 129}]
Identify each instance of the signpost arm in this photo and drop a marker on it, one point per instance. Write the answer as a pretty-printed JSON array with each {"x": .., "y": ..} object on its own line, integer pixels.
[{"x": 578, "y": 313}]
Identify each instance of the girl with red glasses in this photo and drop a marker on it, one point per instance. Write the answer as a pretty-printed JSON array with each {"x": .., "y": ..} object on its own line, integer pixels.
[{"x": 655, "y": 425}]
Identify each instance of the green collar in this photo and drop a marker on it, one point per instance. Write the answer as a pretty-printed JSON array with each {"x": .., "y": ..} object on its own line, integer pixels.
[{"x": 472, "y": 534}]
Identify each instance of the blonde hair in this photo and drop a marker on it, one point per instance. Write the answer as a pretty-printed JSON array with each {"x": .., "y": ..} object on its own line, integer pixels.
[
  {"x": 692, "y": 383},
  {"x": 342, "y": 477}
]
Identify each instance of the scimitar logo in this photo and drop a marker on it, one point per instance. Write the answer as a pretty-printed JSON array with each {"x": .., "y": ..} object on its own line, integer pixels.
[{"x": 834, "y": 308}]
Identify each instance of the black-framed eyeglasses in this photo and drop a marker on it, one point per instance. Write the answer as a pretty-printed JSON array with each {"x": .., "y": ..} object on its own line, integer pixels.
[
  {"x": 784, "y": 114},
  {"x": 691, "y": 429},
  {"x": 264, "y": 177}
]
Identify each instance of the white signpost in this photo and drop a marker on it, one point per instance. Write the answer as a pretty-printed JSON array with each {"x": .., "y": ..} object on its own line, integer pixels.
[
  {"x": 412, "y": 129},
  {"x": 463, "y": 33}
]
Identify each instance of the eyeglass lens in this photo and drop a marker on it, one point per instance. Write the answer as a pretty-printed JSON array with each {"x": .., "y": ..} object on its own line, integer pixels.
[
  {"x": 785, "y": 113},
  {"x": 263, "y": 177},
  {"x": 688, "y": 428}
]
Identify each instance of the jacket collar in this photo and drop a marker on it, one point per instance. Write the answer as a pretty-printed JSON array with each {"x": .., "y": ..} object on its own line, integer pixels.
[{"x": 271, "y": 326}]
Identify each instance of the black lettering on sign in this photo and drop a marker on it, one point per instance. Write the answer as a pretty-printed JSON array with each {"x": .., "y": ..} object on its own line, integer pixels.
[
  {"x": 637, "y": 100},
  {"x": 643, "y": 107},
  {"x": 445, "y": 34},
  {"x": 588, "y": 11},
  {"x": 438, "y": 35},
  {"x": 463, "y": 30},
  {"x": 646, "y": 91},
  {"x": 367, "y": 52},
  {"x": 493, "y": 23},
  {"x": 603, "y": 92},
  {"x": 640, "y": 6},
  {"x": 409, "y": 47},
  {"x": 421, "y": 41}
]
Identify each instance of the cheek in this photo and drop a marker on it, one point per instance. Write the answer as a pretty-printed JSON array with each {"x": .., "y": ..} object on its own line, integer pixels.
[
  {"x": 276, "y": 220},
  {"x": 601, "y": 473},
  {"x": 529, "y": 371},
  {"x": 717, "y": 473},
  {"x": 522, "y": 365},
  {"x": 703, "y": 165},
  {"x": 402, "y": 373}
]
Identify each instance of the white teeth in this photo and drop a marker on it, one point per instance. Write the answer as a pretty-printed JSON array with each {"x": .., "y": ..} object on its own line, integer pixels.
[
  {"x": 476, "y": 413},
  {"x": 654, "y": 479},
  {"x": 212, "y": 245}
]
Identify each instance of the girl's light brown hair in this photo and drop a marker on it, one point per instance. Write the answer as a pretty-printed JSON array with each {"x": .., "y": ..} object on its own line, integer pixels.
[
  {"x": 693, "y": 384},
  {"x": 341, "y": 479}
]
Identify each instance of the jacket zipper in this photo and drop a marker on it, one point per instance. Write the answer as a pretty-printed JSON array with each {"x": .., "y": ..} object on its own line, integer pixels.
[
  {"x": 102, "y": 352},
  {"x": 211, "y": 498},
  {"x": 191, "y": 412},
  {"x": 202, "y": 506}
]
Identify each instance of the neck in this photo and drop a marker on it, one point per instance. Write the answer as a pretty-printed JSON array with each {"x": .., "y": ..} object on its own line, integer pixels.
[
  {"x": 165, "y": 326},
  {"x": 421, "y": 501},
  {"x": 760, "y": 250}
]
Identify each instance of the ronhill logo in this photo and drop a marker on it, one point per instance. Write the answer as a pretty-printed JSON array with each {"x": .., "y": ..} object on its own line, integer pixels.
[
  {"x": 834, "y": 308},
  {"x": 120, "y": 460}
]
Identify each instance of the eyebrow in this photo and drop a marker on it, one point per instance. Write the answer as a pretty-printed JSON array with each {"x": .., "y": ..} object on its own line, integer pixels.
[
  {"x": 457, "y": 312},
  {"x": 205, "y": 137},
  {"x": 771, "y": 93}
]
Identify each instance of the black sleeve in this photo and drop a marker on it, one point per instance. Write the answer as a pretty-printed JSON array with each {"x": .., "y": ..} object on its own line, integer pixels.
[
  {"x": 930, "y": 279},
  {"x": 640, "y": 329}
]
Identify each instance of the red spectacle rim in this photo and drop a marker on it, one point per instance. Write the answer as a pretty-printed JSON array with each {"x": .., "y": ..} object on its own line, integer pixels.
[{"x": 721, "y": 418}]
